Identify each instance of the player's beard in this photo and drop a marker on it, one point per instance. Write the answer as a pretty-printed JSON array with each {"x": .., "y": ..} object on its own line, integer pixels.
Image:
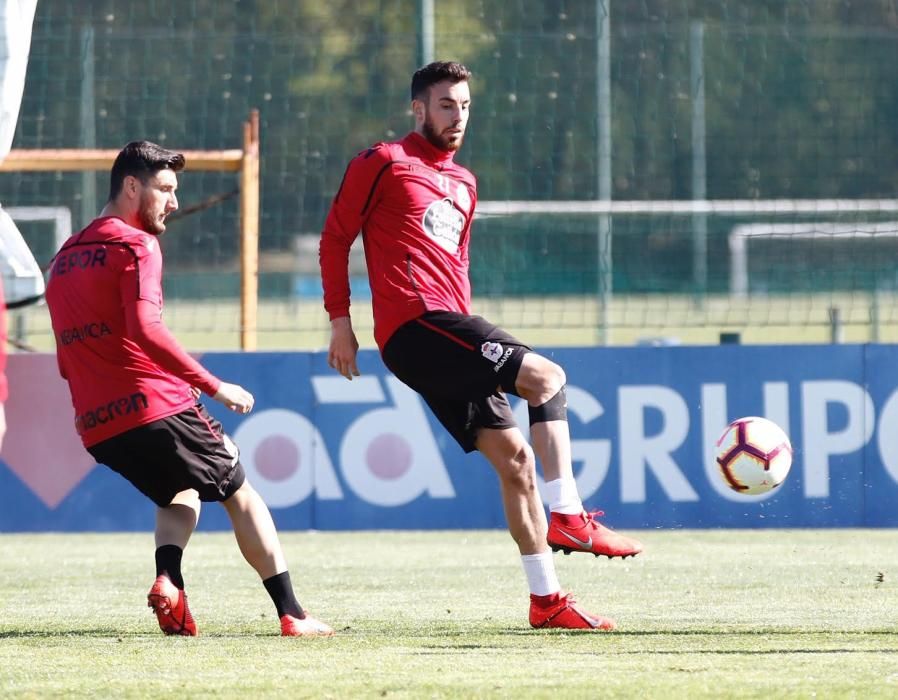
[
  {"x": 149, "y": 221},
  {"x": 439, "y": 140}
]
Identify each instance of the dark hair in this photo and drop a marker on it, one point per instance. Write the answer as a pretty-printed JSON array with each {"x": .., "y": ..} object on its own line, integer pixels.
[
  {"x": 437, "y": 72},
  {"x": 141, "y": 159}
]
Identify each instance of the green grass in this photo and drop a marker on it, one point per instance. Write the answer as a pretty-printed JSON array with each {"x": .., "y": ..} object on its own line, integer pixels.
[
  {"x": 701, "y": 614},
  {"x": 284, "y": 324}
]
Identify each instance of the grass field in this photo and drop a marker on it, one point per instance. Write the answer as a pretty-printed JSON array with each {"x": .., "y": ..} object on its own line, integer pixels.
[
  {"x": 701, "y": 614},
  {"x": 292, "y": 324}
]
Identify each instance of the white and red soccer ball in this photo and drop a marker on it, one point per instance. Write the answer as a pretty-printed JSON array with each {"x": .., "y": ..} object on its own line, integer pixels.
[{"x": 754, "y": 455}]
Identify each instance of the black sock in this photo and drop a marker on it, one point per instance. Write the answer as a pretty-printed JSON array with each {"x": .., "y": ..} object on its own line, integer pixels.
[
  {"x": 168, "y": 562},
  {"x": 281, "y": 591}
]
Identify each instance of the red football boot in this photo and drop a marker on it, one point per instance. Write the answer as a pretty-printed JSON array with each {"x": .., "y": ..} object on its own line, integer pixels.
[
  {"x": 170, "y": 605},
  {"x": 583, "y": 533},
  {"x": 306, "y": 626},
  {"x": 561, "y": 610}
]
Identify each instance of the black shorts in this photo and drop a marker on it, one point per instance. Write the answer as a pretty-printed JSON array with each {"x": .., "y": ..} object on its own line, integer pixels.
[
  {"x": 188, "y": 450},
  {"x": 460, "y": 365}
]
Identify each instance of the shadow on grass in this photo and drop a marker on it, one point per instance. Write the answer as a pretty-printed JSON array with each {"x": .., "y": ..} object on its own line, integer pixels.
[
  {"x": 430, "y": 639},
  {"x": 82, "y": 632},
  {"x": 121, "y": 635}
]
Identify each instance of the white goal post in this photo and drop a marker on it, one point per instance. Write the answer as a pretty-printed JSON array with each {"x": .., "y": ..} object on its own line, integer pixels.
[
  {"x": 859, "y": 217},
  {"x": 740, "y": 234},
  {"x": 21, "y": 274},
  {"x": 687, "y": 206},
  {"x": 824, "y": 230}
]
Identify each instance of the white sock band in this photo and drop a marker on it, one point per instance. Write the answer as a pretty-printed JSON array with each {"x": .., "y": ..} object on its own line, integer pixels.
[
  {"x": 540, "y": 572},
  {"x": 563, "y": 496}
]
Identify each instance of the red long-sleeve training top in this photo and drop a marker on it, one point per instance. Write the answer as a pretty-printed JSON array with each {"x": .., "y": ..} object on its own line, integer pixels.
[
  {"x": 414, "y": 207},
  {"x": 123, "y": 366}
]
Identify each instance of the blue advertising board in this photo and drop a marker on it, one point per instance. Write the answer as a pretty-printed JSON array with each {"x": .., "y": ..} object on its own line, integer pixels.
[{"x": 330, "y": 454}]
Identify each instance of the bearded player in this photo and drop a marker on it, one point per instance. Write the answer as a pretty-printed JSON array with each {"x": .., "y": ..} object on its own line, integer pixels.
[
  {"x": 135, "y": 390},
  {"x": 414, "y": 207}
]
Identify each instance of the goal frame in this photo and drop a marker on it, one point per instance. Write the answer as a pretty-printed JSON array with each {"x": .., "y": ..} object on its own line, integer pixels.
[
  {"x": 699, "y": 210},
  {"x": 244, "y": 161}
]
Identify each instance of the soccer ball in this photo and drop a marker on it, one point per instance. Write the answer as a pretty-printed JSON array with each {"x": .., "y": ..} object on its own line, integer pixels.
[{"x": 754, "y": 455}]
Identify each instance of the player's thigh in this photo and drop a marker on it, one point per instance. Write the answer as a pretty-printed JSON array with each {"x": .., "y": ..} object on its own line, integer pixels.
[
  {"x": 189, "y": 498},
  {"x": 454, "y": 356},
  {"x": 185, "y": 451},
  {"x": 465, "y": 419},
  {"x": 539, "y": 378},
  {"x": 207, "y": 454}
]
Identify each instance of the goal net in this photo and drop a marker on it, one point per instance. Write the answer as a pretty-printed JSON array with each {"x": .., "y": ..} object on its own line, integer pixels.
[
  {"x": 778, "y": 117},
  {"x": 686, "y": 271}
]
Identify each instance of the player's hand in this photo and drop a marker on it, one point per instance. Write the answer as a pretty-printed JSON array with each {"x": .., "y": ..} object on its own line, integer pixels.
[
  {"x": 195, "y": 392},
  {"x": 235, "y": 397},
  {"x": 341, "y": 354}
]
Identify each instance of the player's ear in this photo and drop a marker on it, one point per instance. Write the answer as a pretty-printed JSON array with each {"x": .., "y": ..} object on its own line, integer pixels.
[
  {"x": 418, "y": 110},
  {"x": 130, "y": 185}
]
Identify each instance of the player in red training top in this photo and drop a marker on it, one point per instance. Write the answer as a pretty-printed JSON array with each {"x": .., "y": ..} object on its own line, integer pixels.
[
  {"x": 135, "y": 390},
  {"x": 414, "y": 206}
]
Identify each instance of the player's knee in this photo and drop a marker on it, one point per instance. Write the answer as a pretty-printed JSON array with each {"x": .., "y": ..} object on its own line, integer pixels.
[
  {"x": 553, "y": 409},
  {"x": 540, "y": 379},
  {"x": 556, "y": 379}
]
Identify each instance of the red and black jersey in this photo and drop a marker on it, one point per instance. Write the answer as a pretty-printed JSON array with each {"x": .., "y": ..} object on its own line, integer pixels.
[
  {"x": 123, "y": 366},
  {"x": 414, "y": 207}
]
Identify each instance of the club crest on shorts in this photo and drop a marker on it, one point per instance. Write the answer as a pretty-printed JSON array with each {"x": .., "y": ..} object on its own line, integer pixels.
[{"x": 491, "y": 351}]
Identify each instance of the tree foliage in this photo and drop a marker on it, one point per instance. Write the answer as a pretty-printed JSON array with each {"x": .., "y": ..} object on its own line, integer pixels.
[{"x": 802, "y": 96}]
